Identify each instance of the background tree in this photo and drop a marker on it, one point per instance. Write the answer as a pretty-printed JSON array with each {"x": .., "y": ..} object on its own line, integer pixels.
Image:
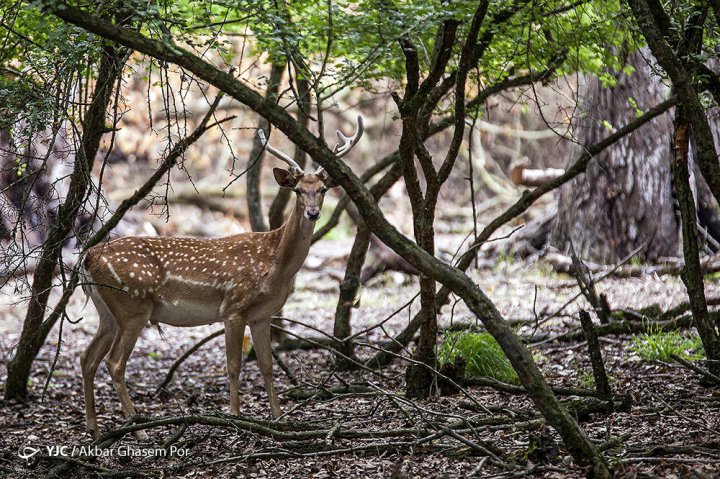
[{"x": 624, "y": 202}]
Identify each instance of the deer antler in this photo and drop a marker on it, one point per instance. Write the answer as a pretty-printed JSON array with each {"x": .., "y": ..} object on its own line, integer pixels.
[
  {"x": 294, "y": 167},
  {"x": 346, "y": 143}
]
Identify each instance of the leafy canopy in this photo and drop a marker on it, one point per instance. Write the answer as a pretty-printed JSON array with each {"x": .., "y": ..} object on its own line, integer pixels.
[{"x": 335, "y": 44}]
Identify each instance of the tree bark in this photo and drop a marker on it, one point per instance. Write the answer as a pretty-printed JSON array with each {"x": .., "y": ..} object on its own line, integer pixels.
[
  {"x": 19, "y": 368},
  {"x": 348, "y": 298},
  {"x": 692, "y": 274},
  {"x": 624, "y": 200},
  {"x": 654, "y": 25},
  {"x": 420, "y": 378},
  {"x": 254, "y": 174}
]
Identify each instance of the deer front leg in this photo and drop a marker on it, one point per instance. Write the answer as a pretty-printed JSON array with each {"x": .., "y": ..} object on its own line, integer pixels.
[
  {"x": 260, "y": 330},
  {"x": 234, "y": 335}
]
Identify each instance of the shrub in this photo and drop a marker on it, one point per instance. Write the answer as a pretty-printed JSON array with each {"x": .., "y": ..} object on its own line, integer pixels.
[
  {"x": 482, "y": 353},
  {"x": 656, "y": 344}
]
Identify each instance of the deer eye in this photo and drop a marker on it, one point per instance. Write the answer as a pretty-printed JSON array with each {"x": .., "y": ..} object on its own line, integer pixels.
[
  {"x": 297, "y": 190},
  {"x": 322, "y": 190}
]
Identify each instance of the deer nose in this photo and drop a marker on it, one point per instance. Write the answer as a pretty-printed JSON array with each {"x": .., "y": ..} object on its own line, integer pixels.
[{"x": 312, "y": 215}]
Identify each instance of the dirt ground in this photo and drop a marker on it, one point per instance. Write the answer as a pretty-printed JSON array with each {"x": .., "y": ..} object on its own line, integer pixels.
[{"x": 671, "y": 430}]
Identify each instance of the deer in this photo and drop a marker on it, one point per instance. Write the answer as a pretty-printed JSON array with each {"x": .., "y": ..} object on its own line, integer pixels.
[{"x": 238, "y": 280}]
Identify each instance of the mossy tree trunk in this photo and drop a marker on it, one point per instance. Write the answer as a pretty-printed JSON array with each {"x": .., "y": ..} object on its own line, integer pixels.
[{"x": 692, "y": 274}]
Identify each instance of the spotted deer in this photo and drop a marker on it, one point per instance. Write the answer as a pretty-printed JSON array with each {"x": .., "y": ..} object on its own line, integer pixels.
[{"x": 241, "y": 279}]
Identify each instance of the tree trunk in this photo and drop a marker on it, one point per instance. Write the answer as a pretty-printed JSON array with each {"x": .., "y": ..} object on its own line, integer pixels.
[
  {"x": 692, "y": 274},
  {"x": 111, "y": 66},
  {"x": 419, "y": 377},
  {"x": 679, "y": 64},
  {"x": 348, "y": 298},
  {"x": 624, "y": 199},
  {"x": 254, "y": 174}
]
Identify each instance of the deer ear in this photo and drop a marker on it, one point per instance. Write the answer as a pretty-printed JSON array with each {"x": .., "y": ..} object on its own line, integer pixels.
[
  {"x": 284, "y": 178},
  {"x": 327, "y": 181}
]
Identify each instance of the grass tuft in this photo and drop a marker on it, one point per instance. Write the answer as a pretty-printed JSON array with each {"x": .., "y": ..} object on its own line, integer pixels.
[
  {"x": 656, "y": 344},
  {"x": 482, "y": 353}
]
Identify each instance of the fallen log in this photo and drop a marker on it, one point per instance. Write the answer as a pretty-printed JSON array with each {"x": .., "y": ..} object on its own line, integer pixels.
[
  {"x": 522, "y": 175},
  {"x": 672, "y": 266},
  {"x": 618, "y": 328}
]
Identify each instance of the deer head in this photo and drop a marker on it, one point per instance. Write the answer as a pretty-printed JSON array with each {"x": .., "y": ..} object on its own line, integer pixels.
[{"x": 310, "y": 187}]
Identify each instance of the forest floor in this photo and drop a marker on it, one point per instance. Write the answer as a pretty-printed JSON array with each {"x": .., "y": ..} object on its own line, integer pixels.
[{"x": 672, "y": 428}]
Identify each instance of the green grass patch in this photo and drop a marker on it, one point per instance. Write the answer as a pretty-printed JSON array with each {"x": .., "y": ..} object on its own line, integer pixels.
[
  {"x": 587, "y": 380},
  {"x": 482, "y": 353},
  {"x": 712, "y": 276},
  {"x": 659, "y": 345},
  {"x": 504, "y": 257}
]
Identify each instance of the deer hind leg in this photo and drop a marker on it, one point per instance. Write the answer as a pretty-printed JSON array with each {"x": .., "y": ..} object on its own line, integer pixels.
[
  {"x": 261, "y": 341},
  {"x": 90, "y": 360},
  {"x": 234, "y": 335},
  {"x": 126, "y": 336}
]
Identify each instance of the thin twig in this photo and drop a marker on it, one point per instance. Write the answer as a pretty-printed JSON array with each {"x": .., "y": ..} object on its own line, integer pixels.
[
  {"x": 187, "y": 354},
  {"x": 703, "y": 372}
]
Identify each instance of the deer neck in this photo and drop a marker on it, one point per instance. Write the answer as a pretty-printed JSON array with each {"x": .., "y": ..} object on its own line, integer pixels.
[{"x": 295, "y": 241}]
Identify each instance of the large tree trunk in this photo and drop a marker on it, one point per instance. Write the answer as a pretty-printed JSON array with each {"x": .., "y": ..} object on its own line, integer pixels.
[{"x": 624, "y": 200}]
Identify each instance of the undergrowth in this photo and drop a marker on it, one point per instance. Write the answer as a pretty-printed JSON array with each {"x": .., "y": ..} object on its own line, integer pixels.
[
  {"x": 656, "y": 344},
  {"x": 482, "y": 354}
]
